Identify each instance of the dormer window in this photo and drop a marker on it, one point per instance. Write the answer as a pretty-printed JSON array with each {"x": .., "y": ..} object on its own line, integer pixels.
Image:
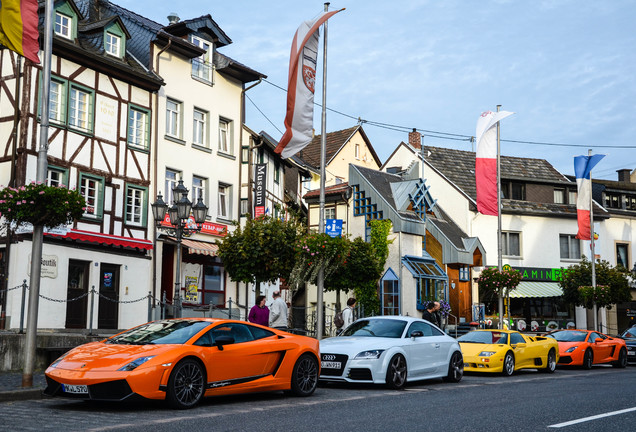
[
  {"x": 202, "y": 65},
  {"x": 113, "y": 44},
  {"x": 63, "y": 25}
]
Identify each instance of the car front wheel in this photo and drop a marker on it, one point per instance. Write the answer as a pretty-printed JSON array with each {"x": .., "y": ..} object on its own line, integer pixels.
[
  {"x": 455, "y": 368},
  {"x": 508, "y": 364},
  {"x": 305, "y": 376},
  {"x": 186, "y": 385},
  {"x": 396, "y": 372}
]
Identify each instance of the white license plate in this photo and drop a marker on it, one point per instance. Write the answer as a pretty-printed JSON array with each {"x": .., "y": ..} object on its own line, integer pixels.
[
  {"x": 330, "y": 365},
  {"x": 75, "y": 389},
  {"x": 631, "y": 353}
]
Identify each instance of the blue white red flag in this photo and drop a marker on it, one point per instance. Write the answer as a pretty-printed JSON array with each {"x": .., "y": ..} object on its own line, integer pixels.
[{"x": 582, "y": 170}]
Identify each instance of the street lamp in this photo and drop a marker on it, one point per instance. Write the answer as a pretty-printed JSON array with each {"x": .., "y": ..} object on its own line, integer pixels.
[{"x": 179, "y": 214}]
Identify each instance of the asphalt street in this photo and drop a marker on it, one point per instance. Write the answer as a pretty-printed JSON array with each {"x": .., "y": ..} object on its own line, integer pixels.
[{"x": 527, "y": 401}]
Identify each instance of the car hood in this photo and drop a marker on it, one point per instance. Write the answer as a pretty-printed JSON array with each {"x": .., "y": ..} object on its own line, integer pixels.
[
  {"x": 352, "y": 345},
  {"x": 99, "y": 356},
  {"x": 473, "y": 349}
]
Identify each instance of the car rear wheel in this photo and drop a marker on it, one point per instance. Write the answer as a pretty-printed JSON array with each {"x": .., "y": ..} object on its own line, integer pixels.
[
  {"x": 622, "y": 359},
  {"x": 396, "y": 372},
  {"x": 588, "y": 359},
  {"x": 186, "y": 385},
  {"x": 508, "y": 364},
  {"x": 551, "y": 362},
  {"x": 455, "y": 368},
  {"x": 304, "y": 376}
]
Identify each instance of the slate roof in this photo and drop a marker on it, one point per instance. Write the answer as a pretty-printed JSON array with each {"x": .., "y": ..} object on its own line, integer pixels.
[{"x": 335, "y": 141}]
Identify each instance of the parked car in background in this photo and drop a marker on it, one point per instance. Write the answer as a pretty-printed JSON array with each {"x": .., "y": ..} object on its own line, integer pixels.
[
  {"x": 506, "y": 351},
  {"x": 182, "y": 360},
  {"x": 629, "y": 336},
  {"x": 391, "y": 350},
  {"x": 587, "y": 347}
]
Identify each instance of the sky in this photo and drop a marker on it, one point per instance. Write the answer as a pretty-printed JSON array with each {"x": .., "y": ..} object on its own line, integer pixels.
[{"x": 566, "y": 68}]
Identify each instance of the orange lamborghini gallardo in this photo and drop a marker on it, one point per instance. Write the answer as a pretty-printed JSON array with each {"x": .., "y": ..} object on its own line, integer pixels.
[
  {"x": 586, "y": 348},
  {"x": 183, "y": 360}
]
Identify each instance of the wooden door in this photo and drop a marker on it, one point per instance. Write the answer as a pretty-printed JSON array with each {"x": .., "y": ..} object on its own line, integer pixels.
[
  {"x": 76, "y": 288},
  {"x": 108, "y": 315}
]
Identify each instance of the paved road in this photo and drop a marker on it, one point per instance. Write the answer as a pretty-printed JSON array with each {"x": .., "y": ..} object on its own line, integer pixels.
[{"x": 527, "y": 401}]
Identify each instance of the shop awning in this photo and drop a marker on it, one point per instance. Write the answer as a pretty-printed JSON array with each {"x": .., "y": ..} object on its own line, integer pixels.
[
  {"x": 201, "y": 248},
  {"x": 536, "y": 289},
  {"x": 106, "y": 239}
]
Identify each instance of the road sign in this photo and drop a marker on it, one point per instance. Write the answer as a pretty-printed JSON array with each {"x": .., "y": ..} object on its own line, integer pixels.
[{"x": 333, "y": 228}]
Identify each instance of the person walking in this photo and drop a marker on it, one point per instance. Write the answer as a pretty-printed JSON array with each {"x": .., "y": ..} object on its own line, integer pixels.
[
  {"x": 347, "y": 313},
  {"x": 278, "y": 312},
  {"x": 259, "y": 314}
]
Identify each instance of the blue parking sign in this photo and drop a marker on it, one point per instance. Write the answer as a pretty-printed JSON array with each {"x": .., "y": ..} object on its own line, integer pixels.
[{"x": 333, "y": 228}]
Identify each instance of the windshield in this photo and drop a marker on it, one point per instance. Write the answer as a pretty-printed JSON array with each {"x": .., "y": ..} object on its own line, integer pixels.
[
  {"x": 484, "y": 337},
  {"x": 389, "y": 328},
  {"x": 629, "y": 333},
  {"x": 160, "y": 332},
  {"x": 568, "y": 336}
]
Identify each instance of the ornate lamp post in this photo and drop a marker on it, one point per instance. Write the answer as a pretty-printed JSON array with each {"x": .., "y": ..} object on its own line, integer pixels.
[{"x": 179, "y": 215}]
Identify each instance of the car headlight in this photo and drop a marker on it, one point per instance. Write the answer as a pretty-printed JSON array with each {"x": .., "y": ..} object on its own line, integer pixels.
[
  {"x": 59, "y": 359},
  {"x": 135, "y": 364},
  {"x": 486, "y": 353},
  {"x": 571, "y": 349},
  {"x": 371, "y": 354}
]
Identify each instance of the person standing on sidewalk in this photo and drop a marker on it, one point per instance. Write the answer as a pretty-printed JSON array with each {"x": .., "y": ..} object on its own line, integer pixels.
[
  {"x": 278, "y": 312},
  {"x": 259, "y": 314}
]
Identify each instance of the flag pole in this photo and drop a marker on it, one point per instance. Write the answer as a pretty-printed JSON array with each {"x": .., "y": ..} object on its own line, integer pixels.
[
  {"x": 323, "y": 159},
  {"x": 38, "y": 230},
  {"x": 499, "y": 245},
  {"x": 594, "y": 307}
]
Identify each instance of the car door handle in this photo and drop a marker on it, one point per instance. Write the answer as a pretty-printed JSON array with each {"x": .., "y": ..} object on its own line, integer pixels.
[{"x": 436, "y": 345}]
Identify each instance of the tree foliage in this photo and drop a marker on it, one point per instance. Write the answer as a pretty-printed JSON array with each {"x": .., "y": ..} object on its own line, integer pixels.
[
  {"x": 493, "y": 283},
  {"x": 262, "y": 250},
  {"x": 611, "y": 283},
  {"x": 39, "y": 204},
  {"x": 315, "y": 251}
]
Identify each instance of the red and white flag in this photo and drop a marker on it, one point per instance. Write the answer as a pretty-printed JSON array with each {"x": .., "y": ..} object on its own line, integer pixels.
[
  {"x": 582, "y": 170},
  {"x": 299, "y": 119},
  {"x": 486, "y": 161}
]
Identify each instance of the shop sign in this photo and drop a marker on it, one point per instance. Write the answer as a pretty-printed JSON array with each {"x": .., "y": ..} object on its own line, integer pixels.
[
  {"x": 207, "y": 227},
  {"x": 259, "y": 189},
  {"x": 49, "y": 266},
  {"x": 538, "y": 274}
]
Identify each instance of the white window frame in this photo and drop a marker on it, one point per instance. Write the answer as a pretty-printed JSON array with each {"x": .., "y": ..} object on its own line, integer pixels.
[
  {"x": 170, "y": 183},
  {"x": 572, "y": 241},
  {"x": 357, "y": 151},
  {"x": 200, "y": 127},
  {"x": 137, "y": 128},
  {"x": 199, "y": 189},
  {"x": 79, "y": 109},
  {"x": 173, "y": 118},
  {"x": 224, "y": 197},
  {"x": 55, "y": 177},
  {"x": 224, "y": 136},
  {"x": 113, "y": 44},
  {"x": 559, "y": 195},
  {"x": 90, "y": 188},
  {"x": 135, "y": 206},
  {"x": 330, "y": 213},
  {"x": 202, "y": 65},
  {"x": 63, "y": 25},
  {"x": 505, "y": 243},
  {"x": 57, "y": 101}
]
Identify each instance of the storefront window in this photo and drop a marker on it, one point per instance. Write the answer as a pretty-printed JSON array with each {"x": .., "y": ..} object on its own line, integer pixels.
[{"x": 213, "y": 288}]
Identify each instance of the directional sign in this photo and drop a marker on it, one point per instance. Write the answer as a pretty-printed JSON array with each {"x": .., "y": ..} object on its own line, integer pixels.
[{"x": 333, "y": 228}]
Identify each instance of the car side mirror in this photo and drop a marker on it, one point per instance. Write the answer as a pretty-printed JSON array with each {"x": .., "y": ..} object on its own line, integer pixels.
[
  {"x": 223, "y": 340},
  {"x": 417, "y": 333}
]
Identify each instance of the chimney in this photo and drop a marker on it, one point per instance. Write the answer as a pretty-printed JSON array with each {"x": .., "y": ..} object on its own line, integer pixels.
[
  {"x": 173, "y": 18},
  {"x": 415, "y": 139},
  {"x": 624, "y": 175}
]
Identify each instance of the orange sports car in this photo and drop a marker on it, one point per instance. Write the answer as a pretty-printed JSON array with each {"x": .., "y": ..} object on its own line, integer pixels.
[
  {"x": 183, "y": 360},
  {"x": 587, "y": 347}
]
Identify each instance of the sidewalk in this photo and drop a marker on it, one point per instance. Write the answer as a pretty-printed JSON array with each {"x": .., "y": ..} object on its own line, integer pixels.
[{"x": 11, "y": 387}]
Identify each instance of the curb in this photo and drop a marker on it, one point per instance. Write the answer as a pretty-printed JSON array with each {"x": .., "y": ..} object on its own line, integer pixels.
[{"x": 21, "y": 394}]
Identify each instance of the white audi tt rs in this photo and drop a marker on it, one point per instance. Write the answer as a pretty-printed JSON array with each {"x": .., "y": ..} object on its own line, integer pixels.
[{"x": 391, "y": 350}]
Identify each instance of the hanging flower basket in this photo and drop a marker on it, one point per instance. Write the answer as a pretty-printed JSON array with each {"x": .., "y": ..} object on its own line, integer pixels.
[
  {"x": 39, "y": 204},
  {"x": 501, "y": 282}
]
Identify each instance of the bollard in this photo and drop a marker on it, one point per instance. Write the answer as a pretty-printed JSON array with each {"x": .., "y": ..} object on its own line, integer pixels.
[
  {"x": 163, "y": 306},
  {"x": 90, "y": 332},
  {"x": 24, "y": 287},
  {"x": 230, "y": 305},
  {"x": 149, "y": 306}
]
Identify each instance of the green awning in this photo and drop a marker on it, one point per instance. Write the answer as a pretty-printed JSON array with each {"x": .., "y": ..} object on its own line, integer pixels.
[{"x": 537, "y": 289}]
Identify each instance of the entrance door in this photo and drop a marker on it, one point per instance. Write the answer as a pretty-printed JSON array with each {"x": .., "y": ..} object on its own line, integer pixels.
[
  {"x": 108, "y": 316},
  {"x": 77, "y": 286}
]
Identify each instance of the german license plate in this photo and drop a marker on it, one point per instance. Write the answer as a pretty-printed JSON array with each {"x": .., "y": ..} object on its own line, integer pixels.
[
  {"x": 75, "y": 389},
  {"x": 330, "y": 365},
  {"x": 631, "y": 353}
]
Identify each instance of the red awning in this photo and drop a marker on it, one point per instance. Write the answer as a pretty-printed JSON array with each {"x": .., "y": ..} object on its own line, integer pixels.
[{"x": 106, "y": 239}]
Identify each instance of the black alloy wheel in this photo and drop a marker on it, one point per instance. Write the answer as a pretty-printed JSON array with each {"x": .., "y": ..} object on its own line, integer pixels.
[
  {"x": 509, "y": 364},
  {"x": 588, "y": 359},
  {"x": 396, "y": 372},
  {"x": 455, "y": 368},
  {"x": 305, "y": 376},
  {"x": 186, "y": 385},
  {"x": 551, "y": 362},
  {"x": 622, "y": 359}
]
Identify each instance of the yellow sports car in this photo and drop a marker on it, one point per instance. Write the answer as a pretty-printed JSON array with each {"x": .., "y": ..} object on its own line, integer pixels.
[{"x": 505, "y": 351}]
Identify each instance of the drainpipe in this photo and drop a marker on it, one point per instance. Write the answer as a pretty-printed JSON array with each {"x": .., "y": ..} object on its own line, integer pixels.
[{"x": 156, "y": 161}]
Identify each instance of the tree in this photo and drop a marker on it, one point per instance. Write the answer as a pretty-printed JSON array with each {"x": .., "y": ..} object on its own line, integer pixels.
[
  {"x": 261, "y": 251},
  {"x": 611, "y": 283}
]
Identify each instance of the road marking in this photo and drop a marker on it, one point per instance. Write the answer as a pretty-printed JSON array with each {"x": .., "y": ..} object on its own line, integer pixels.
[{"x": 595, "y": 417}]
